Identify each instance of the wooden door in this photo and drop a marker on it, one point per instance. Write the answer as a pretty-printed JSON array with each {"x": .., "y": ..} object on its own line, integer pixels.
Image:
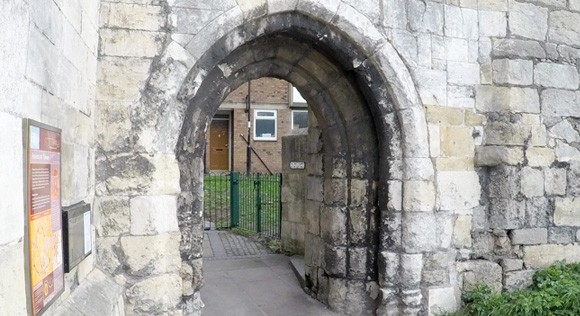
[{"x": 219, "y": 138}]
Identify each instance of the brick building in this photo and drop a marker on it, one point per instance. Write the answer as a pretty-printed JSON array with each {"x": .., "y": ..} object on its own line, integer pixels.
[{"x": 276, "y": 109}]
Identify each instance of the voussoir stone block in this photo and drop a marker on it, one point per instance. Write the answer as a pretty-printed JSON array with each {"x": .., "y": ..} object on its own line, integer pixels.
[{"x": 151, "y": 215}]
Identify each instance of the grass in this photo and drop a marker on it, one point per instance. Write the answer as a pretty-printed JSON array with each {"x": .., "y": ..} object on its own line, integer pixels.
[
  {"x": 217, "y": 190},
  {"x": 554, "y": 291}
]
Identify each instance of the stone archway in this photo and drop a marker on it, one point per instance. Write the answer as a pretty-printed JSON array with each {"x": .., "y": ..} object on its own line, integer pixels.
[{"x": 359, "y": 240}]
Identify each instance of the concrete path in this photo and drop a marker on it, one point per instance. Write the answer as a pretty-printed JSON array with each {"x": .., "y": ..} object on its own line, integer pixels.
[{"x": 241, "y": 279}]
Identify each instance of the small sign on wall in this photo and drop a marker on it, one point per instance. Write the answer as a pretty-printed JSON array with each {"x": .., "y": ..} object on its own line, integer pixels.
[
  {"x": 297, "y": 165},
  {"x": 42, "y": 199}
]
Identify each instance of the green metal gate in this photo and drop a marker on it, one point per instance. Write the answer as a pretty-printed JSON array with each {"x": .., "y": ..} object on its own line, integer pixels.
[{"x": 249, "y": 202}]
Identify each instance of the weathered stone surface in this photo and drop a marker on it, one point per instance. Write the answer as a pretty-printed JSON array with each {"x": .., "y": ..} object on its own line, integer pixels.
[
  {"x": 512, "y": 264},
  {"x": 564, "y": 27},
  {"x": 538, "y": 212},
  {"x": 12, "y": 291},
  {"x": 532, "y": 182},
  {"x": 463, "y": 73},
  {"x": 507, "y": 213},
  {"x": 112, "y": 216},
  {"x": 492, "y": 23},
  {"x": 513, "y": 71},
  {"x": 540, "y": 157},
  {"x": 528, "y": 20},
  {"x": 504, "y": 47},
  {"x": 567, "y": 212},
  {"x": 333, "y": 227},
  {"x": 151, "y": 255},
  {"x": 504, "y": 99},
  {"x": 556, "y": 76},
  {"x": 11, "y": 159},
  {"x": 518, "y": 280},
  {"x": 480, "y": 271},
  {"x": 498, "y": 155},
  {"x": 461, "y": 23},
  {"x": 421, "y": 234},
  {"x": 426, "y": 16},
  {"x": 541, "y": 256},
  {"x": 442, "y": 300},
  {"x": 564, "y": 130},
  {"x": 152, "y": 215},
  {"x": 411, "y": 268},
  {"x": 555, "y": 181},
  {"x": 432, "y": 86},
  {"x": 529, "y": 236},
  {"x": 457, "y": 141},
  {"x": 128, "y": 43},
  {"x": 458, "y": 191},
  {"x": 561, "y": 235},
  {"x": 560, "y": 103},
  {"x": 132, "y": 16},
  {"x": 155, "y": 295},
  {"x": 418, "y": 196},
  {"x": 462, "y": 231}
]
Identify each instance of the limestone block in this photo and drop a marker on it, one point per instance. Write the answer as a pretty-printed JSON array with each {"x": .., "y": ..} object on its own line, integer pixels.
[
  {"x": 395, "y": 195},
  {"x": 418, "y": 196},
  {"x": 112, "y": 216},
  {"x": 152, "y": 215},
  {"x": 528, "y": 20},
  {"x": 221, "y": 5},
  {"x": 503, "y": 99},
  {"x": 277, "y": 6},
  {"x": 538, "y": 212},
  {"x": 462, "y": 73},
  {"x": 192, "y": 20},
  {"x": 561, "y": 235},
  {"x": 556, "y": 76},
  {"x": 107, "y": 258},
  {"x": 509, "y": 265},
  {"x": 426, "y": 231},
  {"x": 434, "y": 140},
  {"x": 335, "y": 191},
  {"x": 357, "y": 267},
  {"x": 333, "y": 227},
  {"x": 462, "y": 231},
  {"x": 334, "y": 260},
  {"x": 493, "y": 5},
  {"x": 507, "y": 213},
  {"x": 165, "y": 178},
  {"x": 442, "y": 300},
  {"x": 457, "y": 141},
  {"x": 13, "y": 292},
  {"x": 312, "y": 211},
  {"x": 362, "y": 31},
  {"x": 540, "y": 157},
  {"x": 411, "y": 267},
  {"x": 505, "y": 182},
  {"x": 507, "y": 133},
  {"x": 395, "y": 14},
  {"x": 564, "y": 27},
  {"x": 560, "y": 103},
  {"x": 480, "y": 271},
  {"x": 154, "y": 295},
  {"x": 555, "y": 181},
  {"x": 518, "y": 280},
  {"x": 462, "y": 97},
  {"x": 151, "y": 255},
  {"x": 425, "y": 17},
  {"x": 314, "y": 188},
  {"x": 128, "y": 43},
  {"x": 415, "y": 119},
  {"x": 432, "y": 86},
  {"x": 455, "y": 164},
  {"x": 132, "y": 16},
  {"x": 458, "y": 190},
  {"x": 461, "y": 23},
  {"x": 532, "y": 182},
  {"x": 492, "y": 23},
  {"x": 529, "y": 236},
  {"x": 541, "y": 256},
  {"x": 575, "y": 5},
  {"x": 498, "y": 155},
  {"x": 11, "y": 203},
  {"x": 564, "y": 130},
  {"x": 567, "y": 211},
  {"x": 444, "y": 115},
  {"x": 504, "y": 47},
  {"x": 418, "y": 169},
  {"x": 513, "y": 71},
  {"x": 121, "y": 79}
]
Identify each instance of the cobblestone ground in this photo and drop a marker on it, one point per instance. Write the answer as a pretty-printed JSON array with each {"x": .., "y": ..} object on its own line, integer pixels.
[{"x": 223, "y": 245}]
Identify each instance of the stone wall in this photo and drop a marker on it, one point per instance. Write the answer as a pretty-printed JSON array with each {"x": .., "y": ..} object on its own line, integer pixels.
[{"x": 48, "y": 58}]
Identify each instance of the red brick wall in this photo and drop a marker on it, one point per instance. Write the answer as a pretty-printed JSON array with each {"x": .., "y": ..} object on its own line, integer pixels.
[{"x": 264, "y": 90}]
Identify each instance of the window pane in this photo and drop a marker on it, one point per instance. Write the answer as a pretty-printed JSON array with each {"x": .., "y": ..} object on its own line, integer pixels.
[
  {"x": 265, "y": 128},
  {"x": 299, "y": 119},
  {"x": 265, "y": 114}
]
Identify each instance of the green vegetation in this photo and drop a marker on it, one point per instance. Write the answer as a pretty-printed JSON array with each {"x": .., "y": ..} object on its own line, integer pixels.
[{"x": 555, "y": 291}]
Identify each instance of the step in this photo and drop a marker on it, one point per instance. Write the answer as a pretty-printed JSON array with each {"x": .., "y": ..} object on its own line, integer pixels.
[{"x": 297, "y": 264}]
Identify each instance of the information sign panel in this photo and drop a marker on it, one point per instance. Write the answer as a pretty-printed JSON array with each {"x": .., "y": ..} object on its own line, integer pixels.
[{"x": 42, "y": 156}]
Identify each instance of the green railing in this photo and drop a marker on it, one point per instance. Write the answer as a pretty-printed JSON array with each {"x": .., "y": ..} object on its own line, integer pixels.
[{"x": 249, "y": 202}]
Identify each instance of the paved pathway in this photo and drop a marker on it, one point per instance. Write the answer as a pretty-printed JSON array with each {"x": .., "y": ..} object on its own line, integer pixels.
[{"x": 242, "y": 278}]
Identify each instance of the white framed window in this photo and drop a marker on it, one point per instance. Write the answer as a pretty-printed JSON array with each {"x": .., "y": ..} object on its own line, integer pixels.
[
  {"x": 299, "y": 119},
  {"x": 265, "y": 124}
]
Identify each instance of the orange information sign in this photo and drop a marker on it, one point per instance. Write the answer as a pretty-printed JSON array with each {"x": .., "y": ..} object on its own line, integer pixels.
[{"x": 43, "y": 210}]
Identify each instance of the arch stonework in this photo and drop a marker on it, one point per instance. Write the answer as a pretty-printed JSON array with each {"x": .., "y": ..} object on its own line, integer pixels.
[{"x": 377, "y": 148}]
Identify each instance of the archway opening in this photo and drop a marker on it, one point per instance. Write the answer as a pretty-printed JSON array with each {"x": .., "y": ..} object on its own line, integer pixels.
[{"x": 351, "y": 151}]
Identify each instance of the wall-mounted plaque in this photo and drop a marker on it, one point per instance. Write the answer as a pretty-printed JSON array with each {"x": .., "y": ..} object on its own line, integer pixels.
[
  {"x": 77, "y": 234},
  {"x": 297, "y": 165},
  {"x": 44, "y": 259}
]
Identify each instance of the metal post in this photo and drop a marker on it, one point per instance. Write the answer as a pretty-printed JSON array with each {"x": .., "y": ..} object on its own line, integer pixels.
[
  {"x": 234, "y": 199},
  {"x": 249, "y": 147},
  {"x": 257, "y": 186}
]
